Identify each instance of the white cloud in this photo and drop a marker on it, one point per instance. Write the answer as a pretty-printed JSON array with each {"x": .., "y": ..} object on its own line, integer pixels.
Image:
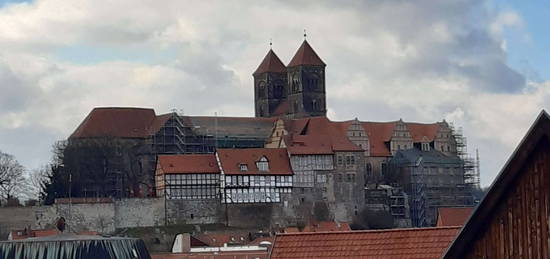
[{"x": 424, "y": 61}]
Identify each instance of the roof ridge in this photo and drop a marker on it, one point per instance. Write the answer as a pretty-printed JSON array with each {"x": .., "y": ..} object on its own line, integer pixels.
[
  {"x": 370, "y": 231},
  {"x": 306, "y": 55}
]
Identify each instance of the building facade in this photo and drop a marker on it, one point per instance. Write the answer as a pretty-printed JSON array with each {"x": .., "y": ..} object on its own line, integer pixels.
[{"x": 332, "y": 163}]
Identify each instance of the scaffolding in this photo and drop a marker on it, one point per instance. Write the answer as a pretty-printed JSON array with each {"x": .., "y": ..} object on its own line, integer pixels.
[
  {"x": 418, "y": 197},
  {"x": 470, "y": 164}
]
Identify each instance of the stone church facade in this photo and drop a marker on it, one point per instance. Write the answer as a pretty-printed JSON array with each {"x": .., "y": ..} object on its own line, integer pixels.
[{"x": 293, "y": 91}]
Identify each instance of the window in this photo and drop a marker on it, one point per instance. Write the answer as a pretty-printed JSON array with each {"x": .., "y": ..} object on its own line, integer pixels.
[
  {"x": 263, "y": 164},
  {"x": 243, "y": 167},
  {"x": 340, "y": 160},
  {"x": 321, "y": 178},
  {"x": 426, "y": 147}
]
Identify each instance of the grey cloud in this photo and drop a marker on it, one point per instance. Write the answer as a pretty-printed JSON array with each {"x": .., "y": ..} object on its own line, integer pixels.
[{"x": 386, "y": 60}]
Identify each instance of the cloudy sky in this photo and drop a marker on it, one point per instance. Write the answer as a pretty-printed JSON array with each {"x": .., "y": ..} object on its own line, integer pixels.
[{"x": 483, "y": 65}]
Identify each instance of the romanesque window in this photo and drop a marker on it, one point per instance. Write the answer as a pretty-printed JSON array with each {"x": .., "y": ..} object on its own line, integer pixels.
[
  {"x": 261, "y": 89},
  {"x": 278, "y": 91},
  {"x": 263, "y": 164}
]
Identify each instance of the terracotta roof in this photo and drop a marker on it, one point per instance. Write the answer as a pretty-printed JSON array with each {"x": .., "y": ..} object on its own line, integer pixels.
[
  {"x": 306, "y": 56},
  {"x": 323, "y": 226},
  {"x": 379, "y": 133},
  {"x": 317, "y": 135},
  {"x": 393, "y": 243},
  {"x": 420, "y": 130},
  {"x": 213, "y": 255},
  {"x": 188, "y": 163},
  {"x": 120, "y": 122},
  {"x": 453, "y": 216},
  {"x": 231, "y": 159},
  {"x": 282, "y": 109},
  {"x": 271, "y": 63},
  {"x": 503, "y": 186}
]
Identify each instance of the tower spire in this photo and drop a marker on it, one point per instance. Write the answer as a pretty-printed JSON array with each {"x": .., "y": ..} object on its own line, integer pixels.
[
  {"x": 305, "y": 34},
  {"x": 270, "y": 43}
]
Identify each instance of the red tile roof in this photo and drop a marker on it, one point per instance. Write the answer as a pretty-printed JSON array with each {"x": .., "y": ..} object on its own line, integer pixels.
[
  {"x": 420, "y": 130},
  {"x": 323, "y": 226},
  {"x": 188, "y": 163},
  {"x": 317, "y": 135},
  {"x": 393, "y": 243},
  {"x": 379, "y": 133},
  {"x": 231, "y": 159},
  {"x": 306, "y": 56},
  {"x": 213, "y": 255},
  {"x": 271, "y": 63},
  {"x": 453, "y": 216},
  {"x": 282, "y": 109},
  {"x": 120, "y": 122}
]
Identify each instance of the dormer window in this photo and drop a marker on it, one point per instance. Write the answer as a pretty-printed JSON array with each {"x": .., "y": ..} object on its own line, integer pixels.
[
  {"x": 425, "y": 146},
  {"x": 263, "y": 164},
  {"x": 243, "y": 167}
]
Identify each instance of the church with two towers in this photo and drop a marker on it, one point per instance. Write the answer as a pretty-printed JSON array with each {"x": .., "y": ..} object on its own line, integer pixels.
[{"x": 296, "y": 90}]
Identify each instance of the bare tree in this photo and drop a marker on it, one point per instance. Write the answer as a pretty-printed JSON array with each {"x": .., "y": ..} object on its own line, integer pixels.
[{"x": 11, "y": 176}]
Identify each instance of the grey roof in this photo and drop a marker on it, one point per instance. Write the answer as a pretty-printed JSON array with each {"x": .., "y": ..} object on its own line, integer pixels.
[
  {"x": 248, "y": 127},
  {"x": 432, "y": 157},
  {"x": 69, "y": 246}
]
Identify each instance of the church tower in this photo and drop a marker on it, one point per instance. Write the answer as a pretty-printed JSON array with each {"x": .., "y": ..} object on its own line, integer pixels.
[
  {"x": 270, "y": 86},
  {"x": 306, "y": 84}
]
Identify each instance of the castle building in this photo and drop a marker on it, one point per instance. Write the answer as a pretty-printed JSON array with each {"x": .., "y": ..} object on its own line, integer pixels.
[{"x": 334, "y": 166}]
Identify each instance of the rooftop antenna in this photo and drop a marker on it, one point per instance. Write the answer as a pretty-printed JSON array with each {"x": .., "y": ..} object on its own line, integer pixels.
[{"x": 305, "y": 34}]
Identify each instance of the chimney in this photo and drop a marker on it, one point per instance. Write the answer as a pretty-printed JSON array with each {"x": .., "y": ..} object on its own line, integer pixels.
[{"x": 185, "y": 243}]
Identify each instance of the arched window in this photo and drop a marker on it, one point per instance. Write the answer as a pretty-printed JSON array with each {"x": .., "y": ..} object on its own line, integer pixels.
[
  {"x": 314, "y": 105},
  {"x": 278, "y": 91},
  {"x": 261, "y": 89},
  {"x": 263, "y": 164}
]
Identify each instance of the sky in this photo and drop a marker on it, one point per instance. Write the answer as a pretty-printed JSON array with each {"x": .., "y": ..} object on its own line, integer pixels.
[{"x": 482, "y": 64}]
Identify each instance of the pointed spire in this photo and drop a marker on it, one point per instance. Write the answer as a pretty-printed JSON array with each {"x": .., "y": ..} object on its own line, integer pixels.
[
  {"x": 306, "y": 56},
  {"x": 271, "y": 63}
]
